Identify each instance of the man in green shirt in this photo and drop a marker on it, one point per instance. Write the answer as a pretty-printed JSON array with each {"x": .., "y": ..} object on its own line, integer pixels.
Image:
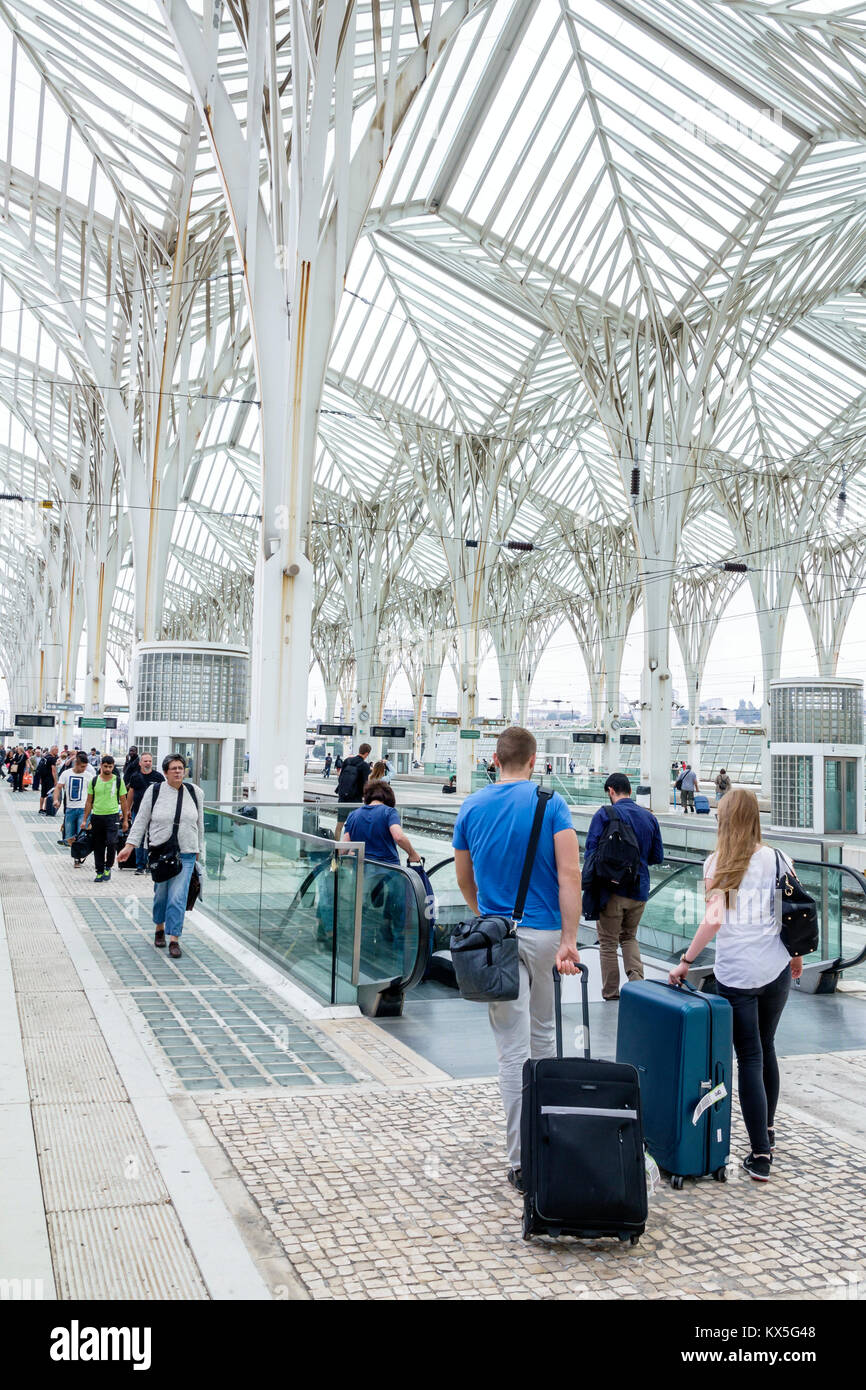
[{"x": 107, "y": 799}]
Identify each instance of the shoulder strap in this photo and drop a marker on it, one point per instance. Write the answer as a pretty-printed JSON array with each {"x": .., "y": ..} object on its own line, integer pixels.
[
  {"x": 177, "y": 810},
  {"x": 534, "y": 835},
  {"x": 611, "y": 812},
  {"x": 189, "y": 788}
]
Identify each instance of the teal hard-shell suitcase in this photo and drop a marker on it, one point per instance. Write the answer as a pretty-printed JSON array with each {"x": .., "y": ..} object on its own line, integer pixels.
[{"x": 681, "y": 1043}]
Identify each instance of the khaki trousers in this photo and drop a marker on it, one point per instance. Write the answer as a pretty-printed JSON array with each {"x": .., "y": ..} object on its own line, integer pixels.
[{"x": 617, "y": 927}]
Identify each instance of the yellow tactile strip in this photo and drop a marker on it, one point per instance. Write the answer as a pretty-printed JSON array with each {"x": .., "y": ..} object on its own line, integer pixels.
[{"x": 401, "y": 1193}]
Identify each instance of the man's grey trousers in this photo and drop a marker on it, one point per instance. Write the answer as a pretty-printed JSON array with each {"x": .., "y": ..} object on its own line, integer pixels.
[{"x": 524, "y": 1027}]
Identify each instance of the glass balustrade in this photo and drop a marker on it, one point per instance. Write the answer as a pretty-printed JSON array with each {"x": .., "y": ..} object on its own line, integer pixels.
[
  {"x": 342, "y": 925},
  {"x": 337, "y": 923}
]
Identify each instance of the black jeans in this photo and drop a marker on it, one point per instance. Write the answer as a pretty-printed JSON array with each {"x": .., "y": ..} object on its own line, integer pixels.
[
  {"x": 104, "y": 841},
  {"x": 756, "y": 1018}
]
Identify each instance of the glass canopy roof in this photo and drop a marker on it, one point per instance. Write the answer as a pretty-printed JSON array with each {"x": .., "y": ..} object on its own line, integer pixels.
[{"x": 590, "y": 214}]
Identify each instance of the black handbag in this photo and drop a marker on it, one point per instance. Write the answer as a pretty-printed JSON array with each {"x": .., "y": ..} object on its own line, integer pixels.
[
  {"x": 484, "y": 951},
  {"x": 800, "y": 931},
  {"x": 194, "y": 890},
  {"x": 82, "y": 844},
  {"x": 164, "y": 860}
]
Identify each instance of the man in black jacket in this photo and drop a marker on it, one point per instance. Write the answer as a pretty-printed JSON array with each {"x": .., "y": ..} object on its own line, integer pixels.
[
  {"x": 350, "y": 785},
  {"x": 141, "y": 777}
]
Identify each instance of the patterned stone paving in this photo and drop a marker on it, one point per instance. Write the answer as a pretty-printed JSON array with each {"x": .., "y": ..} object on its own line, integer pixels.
[
  {"x": 401, "y": 1193},
  {"x": 396, "y": 1188}
]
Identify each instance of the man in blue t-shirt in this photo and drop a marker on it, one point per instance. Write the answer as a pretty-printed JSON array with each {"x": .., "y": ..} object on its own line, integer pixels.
[
  {"x": 490, "y": 839},
  {"x": 619, "y": 915}
]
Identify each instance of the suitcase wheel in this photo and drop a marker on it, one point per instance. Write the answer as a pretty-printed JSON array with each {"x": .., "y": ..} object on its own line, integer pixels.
[
  {"x": 676, "y": 1182},
  {"x": 528, "y": 1219},
  {"x": 721, "y": 1175}
]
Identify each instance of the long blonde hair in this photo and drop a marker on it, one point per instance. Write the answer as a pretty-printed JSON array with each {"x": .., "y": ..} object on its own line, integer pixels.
[
  {"x": 379, "y": 771},
  {"x": 739, "y": 837}
]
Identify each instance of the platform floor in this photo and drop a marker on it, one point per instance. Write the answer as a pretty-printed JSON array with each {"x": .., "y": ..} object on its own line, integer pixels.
[{"x": 181, "y": 1130}]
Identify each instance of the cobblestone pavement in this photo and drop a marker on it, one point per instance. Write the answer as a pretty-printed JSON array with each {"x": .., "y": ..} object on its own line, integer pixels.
[{"x": 401, "y": 1193}]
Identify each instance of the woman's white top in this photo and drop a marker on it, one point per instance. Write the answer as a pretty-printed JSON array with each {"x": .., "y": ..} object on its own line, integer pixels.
[{"x": 749, "y": 950}]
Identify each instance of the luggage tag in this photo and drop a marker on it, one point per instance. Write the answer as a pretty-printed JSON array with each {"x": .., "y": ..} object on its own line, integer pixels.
[
  {"x": 653, "y": 1176},
  {"x": 711, "y": 1098}
]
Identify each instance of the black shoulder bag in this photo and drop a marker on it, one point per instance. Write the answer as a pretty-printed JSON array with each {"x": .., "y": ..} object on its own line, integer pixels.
[
  {"x": 800, "y": 934},
  {"x": 484, "y": 951},
  {"x": 164, "y": 860}
]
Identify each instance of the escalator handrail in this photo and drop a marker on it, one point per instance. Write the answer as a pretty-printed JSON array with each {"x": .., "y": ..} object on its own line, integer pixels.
[
  {"x": 860, "y": 880},
  {"x": 443, "y": 863},
  {"x": 422, "y": 956}
]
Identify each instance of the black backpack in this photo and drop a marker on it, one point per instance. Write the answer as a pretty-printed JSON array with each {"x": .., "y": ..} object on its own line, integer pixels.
[
  {"x": 617, "y": 856},
  {"x": 353, "y": 775}
]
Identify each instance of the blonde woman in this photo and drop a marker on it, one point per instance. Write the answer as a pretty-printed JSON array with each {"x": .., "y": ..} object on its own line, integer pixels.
[{"x": 753, "y": 968}]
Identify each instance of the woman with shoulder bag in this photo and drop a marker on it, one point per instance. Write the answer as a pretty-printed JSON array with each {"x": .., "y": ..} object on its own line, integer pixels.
[
  {"x": 171, "y": 814},
  {"x": 753, "y": 967}
]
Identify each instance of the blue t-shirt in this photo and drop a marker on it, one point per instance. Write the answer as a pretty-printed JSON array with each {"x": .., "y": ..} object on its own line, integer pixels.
[
  {"x": 372, "y": 825},
  {"x": 494, "y": 825}
]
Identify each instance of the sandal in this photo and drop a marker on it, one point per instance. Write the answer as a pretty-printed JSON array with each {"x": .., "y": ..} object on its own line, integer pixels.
[
  {"x": 159, "y": 938},
  {"x": 174, "y": 950}
]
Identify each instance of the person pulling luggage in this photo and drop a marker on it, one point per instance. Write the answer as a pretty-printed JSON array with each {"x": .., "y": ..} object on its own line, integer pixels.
[
  {"x": 753, "y": 968},
  {"x": 688, "y": 785},
  {"x": 490, "y": 835},
  {"x": 621, "y": 843}
]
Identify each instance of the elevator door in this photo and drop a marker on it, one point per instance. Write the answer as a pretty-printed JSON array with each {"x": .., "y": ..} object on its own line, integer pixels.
[
  {"x": 840, "y": 795},
  {"x": 202, "y": 763}
]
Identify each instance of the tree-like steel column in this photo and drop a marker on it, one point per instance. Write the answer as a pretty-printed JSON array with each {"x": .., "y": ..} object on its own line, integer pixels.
[
  {"x": 295, "y": 259},
  {"x": 699, "y": 599}
]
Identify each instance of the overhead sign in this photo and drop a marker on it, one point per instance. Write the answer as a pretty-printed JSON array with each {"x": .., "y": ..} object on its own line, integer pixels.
[
  {"x": 444, "y": 719},
  {"x": 96, "y": 721},
  {"x": 61, "y": 704},
  {"x": 110, "y": 709},
  {"x": 337, "y": 730},
  {"x": 629, "y": 738},
  {"x": 387, "y": 731},
  {"x": 470, "y": 733},
  {"x": 589, "y": 736},
  {"x": 35, "y": 721},
  {"x": 6, "y": 733}
]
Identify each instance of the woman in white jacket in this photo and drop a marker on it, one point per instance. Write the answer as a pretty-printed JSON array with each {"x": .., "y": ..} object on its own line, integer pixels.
[
  {"x": 156, "y": 816},
  {"x": 752, "y": 968}
]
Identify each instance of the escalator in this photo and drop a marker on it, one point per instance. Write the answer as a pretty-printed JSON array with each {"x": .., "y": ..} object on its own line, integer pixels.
[
  {"x": 675, "y": 908},
  {"x": 374, "y": 966},
  {"x": 353, "y": 931}
]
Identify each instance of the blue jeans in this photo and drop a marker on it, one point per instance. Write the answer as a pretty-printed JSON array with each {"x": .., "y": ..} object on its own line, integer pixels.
[
  {"x": 169, "y": 898},
  {"x": 72, "y": 821},
  {"x": 140, "y": 850}
]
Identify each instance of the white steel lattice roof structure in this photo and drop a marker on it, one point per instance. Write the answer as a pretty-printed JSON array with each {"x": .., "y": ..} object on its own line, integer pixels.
[{"x": 410, "y": 273}]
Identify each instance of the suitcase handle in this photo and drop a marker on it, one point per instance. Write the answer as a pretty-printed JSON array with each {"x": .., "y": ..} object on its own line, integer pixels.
[{"x": 583, "y": 971}]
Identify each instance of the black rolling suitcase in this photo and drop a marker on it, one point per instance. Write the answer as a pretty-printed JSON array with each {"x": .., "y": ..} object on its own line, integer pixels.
[{"x": 581, "y": 1143}]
